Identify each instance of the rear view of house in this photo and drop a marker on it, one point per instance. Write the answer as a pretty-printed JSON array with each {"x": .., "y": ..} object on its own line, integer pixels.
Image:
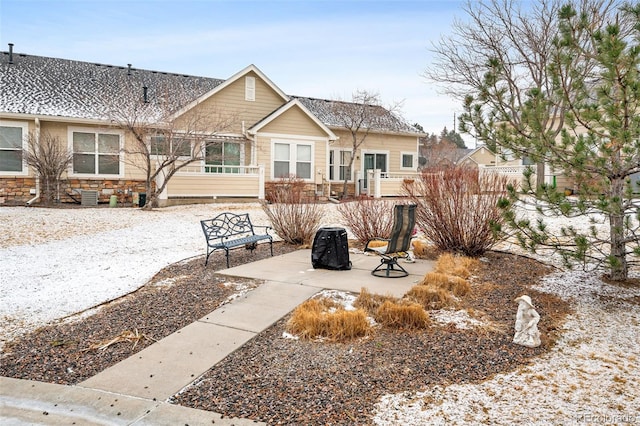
[{"x": 235, "y": 134}]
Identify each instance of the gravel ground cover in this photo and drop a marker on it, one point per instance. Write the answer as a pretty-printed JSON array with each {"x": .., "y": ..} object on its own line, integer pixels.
[
  {"x": 285, "y": 381},
  {"x": 585, "y": 372},
  {"x": 68, "y": 351}
]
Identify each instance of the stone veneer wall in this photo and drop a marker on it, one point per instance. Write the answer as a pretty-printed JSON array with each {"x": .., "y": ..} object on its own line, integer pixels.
[{"x": 17, "y": 191}]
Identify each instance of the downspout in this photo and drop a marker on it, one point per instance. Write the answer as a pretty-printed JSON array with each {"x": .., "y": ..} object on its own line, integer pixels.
[{"x": 37, "y": 137}]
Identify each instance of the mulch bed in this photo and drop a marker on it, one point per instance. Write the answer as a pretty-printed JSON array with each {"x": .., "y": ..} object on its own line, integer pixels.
[
  {"x": 174, "y": 298},
  {"x": 285, "y": 381}
]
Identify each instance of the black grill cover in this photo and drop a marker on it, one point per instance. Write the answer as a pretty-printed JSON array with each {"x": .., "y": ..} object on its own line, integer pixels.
[{"x": 330, "y": 249}]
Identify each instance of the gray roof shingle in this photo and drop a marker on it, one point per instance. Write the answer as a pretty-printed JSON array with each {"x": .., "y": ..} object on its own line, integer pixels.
[
  {"x": 59, "y": 87},
  {"x": 37, "y": 85},
  {"x": 381, "y": 119}
]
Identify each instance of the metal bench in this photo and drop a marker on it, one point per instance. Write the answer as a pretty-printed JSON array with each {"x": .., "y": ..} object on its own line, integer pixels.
[{"x": 230, "y": 230}]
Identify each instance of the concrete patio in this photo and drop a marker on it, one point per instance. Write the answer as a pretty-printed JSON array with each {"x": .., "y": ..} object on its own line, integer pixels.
[{"x": 135, "y": 391}]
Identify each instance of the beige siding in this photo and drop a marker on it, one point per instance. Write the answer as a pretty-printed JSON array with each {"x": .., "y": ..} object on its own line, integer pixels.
[
  {"x": 294, "y": 122},
  {"x": 230, "y": 106},
  {"x": 213, "y": 185},
  {"x": 392, "y": 145},
  {"x": 391, "y": 187},
  {"x": 484, "y": 157}
]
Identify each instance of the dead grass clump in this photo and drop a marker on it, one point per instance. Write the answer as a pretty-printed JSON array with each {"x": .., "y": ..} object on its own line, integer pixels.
[
  {"x": 313, "y": 319},
  {"x": 402, "y": 315},
  {"x": 460, "y": 266},
  {"x": 430, "y": 297},
  {"x": 424, "y": 250},
  {"x": 456, "y": 285},
  {"x": 435, "y": 279},
  {"x": 370, "y": 302}
]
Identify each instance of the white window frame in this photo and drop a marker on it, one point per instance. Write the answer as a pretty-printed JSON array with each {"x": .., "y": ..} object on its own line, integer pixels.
[
  {"x": 293, "y": 150},
  {"x": 249, "y": 88},
  {"x": 413, "y": 160},
  {"x": 96, "y": 131},
  {"x": 335, "y": 168},
  {"x": 25, "y": 137}
]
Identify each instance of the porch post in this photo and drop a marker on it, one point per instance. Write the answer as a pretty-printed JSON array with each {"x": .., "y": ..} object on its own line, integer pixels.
[
  {"x": 261, "y": 182},
  {"x": 163, "y": 196},
  {"x": 358, "y": 179},
  {"x": 377, "y": 183}
]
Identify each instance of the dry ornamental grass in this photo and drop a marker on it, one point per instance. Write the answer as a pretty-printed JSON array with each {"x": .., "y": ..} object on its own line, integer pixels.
[{"x": 285, "y": 381}]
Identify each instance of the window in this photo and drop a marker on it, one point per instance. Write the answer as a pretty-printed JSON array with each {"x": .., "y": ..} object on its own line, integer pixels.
[
  {"x": 12, "y": 145},
  {"x": 249, "y": 88},
  {"x": 292, "y": 159},
  {"x": 339, "y": 165},
  {"x": 219, "y": 154},
  {"x": 179, "y": 147},
  {"x": 406, "y": 161},
  {"x": 373, "y": 161},
  {"x": 96, "y": 153}
]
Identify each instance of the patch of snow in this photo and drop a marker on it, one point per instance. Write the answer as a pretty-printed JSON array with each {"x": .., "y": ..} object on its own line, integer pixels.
[
  {"x": 460, "y": 318},
  {"x": 589, "y": 377},
  {"x": 286, "y": 335},
  {"x": 58, "y": 262},
  {"x": 346, "y": 300}
]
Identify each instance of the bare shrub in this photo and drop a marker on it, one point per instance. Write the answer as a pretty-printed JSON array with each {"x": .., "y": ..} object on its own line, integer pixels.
[
  {"x": 314, "y": 319},
  {"x": 368, "y": 218},
  {"x": 458, "y": 208},
  {"x": 430, "y": 297},
  {"x": 403, "y": 315},
  {"x": 293, "y": 220},
  {"x": 50, "y": 157}
]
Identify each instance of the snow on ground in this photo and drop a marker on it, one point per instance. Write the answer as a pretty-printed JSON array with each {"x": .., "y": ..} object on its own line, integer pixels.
[
  {"x": 57, "y": 262},
  {"x": 590, "y": 377}
]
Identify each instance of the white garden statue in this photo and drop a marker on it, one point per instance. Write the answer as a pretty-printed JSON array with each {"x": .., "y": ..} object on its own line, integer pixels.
[{"x": 527, "y": 318}]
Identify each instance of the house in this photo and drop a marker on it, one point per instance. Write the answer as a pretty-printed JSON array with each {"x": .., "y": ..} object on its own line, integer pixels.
[
  {"x": 506, "y": 163},
  {"x": 267, "y": 133}
]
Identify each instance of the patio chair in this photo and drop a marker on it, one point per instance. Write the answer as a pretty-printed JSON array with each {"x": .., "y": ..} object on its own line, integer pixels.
[{"x": 398, "y": 245}]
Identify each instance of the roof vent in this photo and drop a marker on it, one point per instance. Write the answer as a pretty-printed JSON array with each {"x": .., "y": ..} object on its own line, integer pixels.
[
  {"x": 128, "y": 69},
  {"x": 11, "y": 53},
  {"x": 145, "y": 96}
]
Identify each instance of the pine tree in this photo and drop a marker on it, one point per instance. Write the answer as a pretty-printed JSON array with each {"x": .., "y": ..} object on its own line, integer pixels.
[{"x": 564, "y": 90}]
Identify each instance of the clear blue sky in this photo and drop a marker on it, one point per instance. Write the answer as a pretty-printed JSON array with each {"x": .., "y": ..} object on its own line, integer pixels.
[{"x": 315, "y": 48}]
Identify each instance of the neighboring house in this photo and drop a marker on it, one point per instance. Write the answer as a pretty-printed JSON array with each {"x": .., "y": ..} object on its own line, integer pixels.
[
  {"x": 508, "y": 164},
  {"x": 272, "y": 134}
]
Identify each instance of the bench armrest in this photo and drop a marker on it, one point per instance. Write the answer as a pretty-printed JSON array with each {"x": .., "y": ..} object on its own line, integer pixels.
[{"x": 266, "y": 228}]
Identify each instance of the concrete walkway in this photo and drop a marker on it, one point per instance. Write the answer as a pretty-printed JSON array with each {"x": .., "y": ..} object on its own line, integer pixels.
[{"x": 135, "y": 391}]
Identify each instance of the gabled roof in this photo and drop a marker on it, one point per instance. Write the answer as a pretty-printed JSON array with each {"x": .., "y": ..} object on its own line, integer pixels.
[
  {"x": 385, "y": 121},
  {"x": 54, "y": 87},
  {"x": 286, "y": 107},
  {"x": 228, "y": 82},
  {"x": 471, "y": 152}
]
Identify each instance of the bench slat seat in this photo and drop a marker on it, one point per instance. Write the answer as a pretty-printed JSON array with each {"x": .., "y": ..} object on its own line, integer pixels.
[{"x": 230, "y": 230}]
